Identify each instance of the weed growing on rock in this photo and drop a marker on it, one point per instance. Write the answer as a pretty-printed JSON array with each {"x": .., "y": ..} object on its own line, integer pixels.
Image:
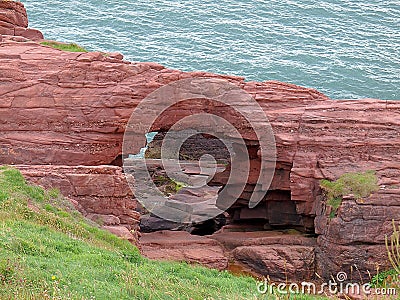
[
  {"x": 360, "y": 184},
  {"x": 393, "y": 248},
  {"x": 381, "y": 279},
  {"x": 390, "y": 278},
  {"x": 168, "y": 185}
]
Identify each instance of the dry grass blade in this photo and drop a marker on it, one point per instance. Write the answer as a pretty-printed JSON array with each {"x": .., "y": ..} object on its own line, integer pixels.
[{"x": 393, "y": 248}]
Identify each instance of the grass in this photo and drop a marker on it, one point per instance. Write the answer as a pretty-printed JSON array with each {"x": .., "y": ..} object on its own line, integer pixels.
[
  {"x": 382, "y": 279},
  {"x": 360, "y": 184},
  {"x": 393, "y": 248},
  {"x": 49, "y": 251},
  {"x": 168, "y": 185},
  {"x": 390, "y": 278},
  {"x": 71, "y": 47}
]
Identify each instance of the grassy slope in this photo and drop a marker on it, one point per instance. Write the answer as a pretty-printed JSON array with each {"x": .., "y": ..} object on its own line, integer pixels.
[{"x": 49, "y": 251}]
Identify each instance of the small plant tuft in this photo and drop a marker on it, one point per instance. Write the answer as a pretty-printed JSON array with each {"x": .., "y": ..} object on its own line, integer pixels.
[
  {"x": 382, "y": 278},
  {"x": 7, "y": 271},
  {"x": 71, "y": 47},
  {"x": 393, "y": 248},
  {"x": 168, "y": 185},
  {"x": 360, "y": 184}
]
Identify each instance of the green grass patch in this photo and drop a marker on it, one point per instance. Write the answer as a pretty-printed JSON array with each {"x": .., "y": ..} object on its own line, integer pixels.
[
  {"x": 360, "y": 184},
  {"x": 168, "y": 185},
  {"x": 393, "y": 249},
  {"x": 382, "y": 278},
  {"x": 49, "y": 251},
  {"x": 70, "y": 47}
]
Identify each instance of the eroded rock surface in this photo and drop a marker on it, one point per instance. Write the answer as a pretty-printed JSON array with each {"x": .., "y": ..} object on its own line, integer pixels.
[
  {"x": 99, "y": 192},
  {"x": 14, "y": 21},
  {"x": 280, "y": 255},
  {"x": 276, "y": 254},
  {"x": 182, "y": 246},
  {"x": 70, "y": 109}
]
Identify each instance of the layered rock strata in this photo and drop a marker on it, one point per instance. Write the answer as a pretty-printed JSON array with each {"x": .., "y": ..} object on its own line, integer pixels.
[
  {"x": 14, "y": 21},
  {"x": 70, "y": 109},
  {"x": 100, "y": 193}
]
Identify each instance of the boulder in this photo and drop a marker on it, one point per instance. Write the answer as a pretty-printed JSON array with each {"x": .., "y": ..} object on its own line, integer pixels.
[
  {"x": 100, "y": 193},
  {"x": 182, "y": 246},
  {"x": 279, "y": 262}
]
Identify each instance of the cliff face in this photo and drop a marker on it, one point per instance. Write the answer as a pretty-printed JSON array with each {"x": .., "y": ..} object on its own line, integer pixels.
[
  {"x": 14, "y": 21},
  {"x": 100, "y": 193},
  {"x": 63, "y": 110}
]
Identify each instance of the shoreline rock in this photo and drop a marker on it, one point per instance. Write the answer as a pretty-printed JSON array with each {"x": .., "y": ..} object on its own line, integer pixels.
[
  {"x": 100, "y": 193},
  {"x": 14, "y": 21},
  {"x": 64, "y": 113}
]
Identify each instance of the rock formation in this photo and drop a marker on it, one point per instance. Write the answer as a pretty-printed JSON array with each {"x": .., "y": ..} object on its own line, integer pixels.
[
  {"x": 61, "y": 110},
  {"x": 182, "y": 246},
  {"x": 14, "y": 21},
  {"x": 100, "y": 193}
]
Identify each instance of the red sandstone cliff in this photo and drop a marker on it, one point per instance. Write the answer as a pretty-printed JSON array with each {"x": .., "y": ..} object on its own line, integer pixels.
[
  {"x": 14, "y": 21},
  {"x": 59, "y": 108}
]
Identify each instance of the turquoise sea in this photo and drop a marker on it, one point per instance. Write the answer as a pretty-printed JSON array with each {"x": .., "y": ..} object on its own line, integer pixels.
[{"x": 347, "y": 49}]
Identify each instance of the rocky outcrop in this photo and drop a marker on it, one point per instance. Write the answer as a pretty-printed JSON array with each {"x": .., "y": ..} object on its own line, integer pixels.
[
  {"x": 355, "y": 238},
  {"x": 281, "y": 255},
  {"x": 87, "y": 99},
  {"x": 14, "y": 21},
  {"x": 100, "y": 193},
  {"x": 70, "y": 109},
  {"x": 182, "y": 246},
  {"x": 193, "y": 148},
  {"x": 277, "y": 254}
]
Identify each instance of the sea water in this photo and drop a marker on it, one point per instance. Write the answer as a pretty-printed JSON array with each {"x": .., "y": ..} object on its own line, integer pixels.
[{"x": 348, "y": 49}]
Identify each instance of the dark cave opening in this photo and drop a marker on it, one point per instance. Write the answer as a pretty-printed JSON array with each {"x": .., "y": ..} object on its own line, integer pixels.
[{"x": 277, "y": 211}]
